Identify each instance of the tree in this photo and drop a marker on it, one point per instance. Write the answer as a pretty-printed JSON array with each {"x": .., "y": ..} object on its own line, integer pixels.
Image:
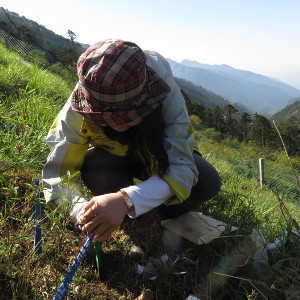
[
  {"x": 193, "y": 107},
  {"x": 218, "y": 120},
  {"x": 71, "y": 35},
  {"x": 244, "y": 125},
  {"x": 262, "y": 132},
  {"x": 230, "y": 122},
  {"x": 188, "y": 102},
  {"x": 209, "y": 118}
]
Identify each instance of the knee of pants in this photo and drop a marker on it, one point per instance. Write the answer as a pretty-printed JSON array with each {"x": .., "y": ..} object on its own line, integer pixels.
[{"x": 209, "y": 181}]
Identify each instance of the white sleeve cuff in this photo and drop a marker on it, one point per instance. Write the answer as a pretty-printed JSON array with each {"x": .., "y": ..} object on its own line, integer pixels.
[
  {"x": 76, "y": 210},
  {"x": 147, "y": 195}
]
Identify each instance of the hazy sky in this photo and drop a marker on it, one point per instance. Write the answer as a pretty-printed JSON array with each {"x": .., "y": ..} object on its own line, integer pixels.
[{"x": 262, "y": 36}]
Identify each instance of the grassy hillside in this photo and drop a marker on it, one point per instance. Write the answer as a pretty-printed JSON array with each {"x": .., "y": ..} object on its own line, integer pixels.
[
  {"x": 30, "y": 98},
  {"x": 223, "y": 269}
]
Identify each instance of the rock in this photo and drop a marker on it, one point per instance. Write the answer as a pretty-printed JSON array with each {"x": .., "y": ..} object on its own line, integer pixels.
[{"x": 136, "y": 252}]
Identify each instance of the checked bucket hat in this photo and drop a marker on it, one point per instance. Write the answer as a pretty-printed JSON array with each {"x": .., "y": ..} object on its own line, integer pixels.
[{"x": 115, "y": 85}]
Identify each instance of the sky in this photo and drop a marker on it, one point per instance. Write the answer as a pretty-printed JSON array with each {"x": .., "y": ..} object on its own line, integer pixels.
[{"x": 262, "y": 36}]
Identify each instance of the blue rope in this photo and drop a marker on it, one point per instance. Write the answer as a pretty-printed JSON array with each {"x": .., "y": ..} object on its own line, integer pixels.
[
  {"x": 64, "y": 286},
  {"x": 37, "y": 217}
]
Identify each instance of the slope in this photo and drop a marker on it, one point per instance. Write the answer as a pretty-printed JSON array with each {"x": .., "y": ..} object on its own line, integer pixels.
[{"x": 291, "y": 110}]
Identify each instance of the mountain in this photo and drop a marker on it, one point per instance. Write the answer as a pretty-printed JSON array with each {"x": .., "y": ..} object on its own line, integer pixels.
[
  {"x": 291, "y": 110},
  {"x": 260, "y": 93},
  {"x": 207, "y": 98}
]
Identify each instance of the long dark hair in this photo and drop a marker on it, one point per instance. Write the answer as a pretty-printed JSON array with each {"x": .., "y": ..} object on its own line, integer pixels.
[{"x": 146, "y": 138}]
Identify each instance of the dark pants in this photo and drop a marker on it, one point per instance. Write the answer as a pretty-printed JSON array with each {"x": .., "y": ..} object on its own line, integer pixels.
[{"x": 104, "y": 173}]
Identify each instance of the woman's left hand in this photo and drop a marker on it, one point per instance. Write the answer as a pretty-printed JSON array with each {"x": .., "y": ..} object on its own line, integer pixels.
[{"x": 103, "y": 215}]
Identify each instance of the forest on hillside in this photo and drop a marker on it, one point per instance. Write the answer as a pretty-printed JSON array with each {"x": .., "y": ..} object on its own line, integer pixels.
[{"x": 229, "y": 122}]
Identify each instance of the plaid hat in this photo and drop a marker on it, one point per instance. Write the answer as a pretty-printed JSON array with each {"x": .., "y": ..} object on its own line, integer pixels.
[{"x": 115, "y": 85}]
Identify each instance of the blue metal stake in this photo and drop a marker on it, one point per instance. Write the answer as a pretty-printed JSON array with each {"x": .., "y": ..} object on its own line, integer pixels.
[
  {"x": 64, "y": 286},
  {"x": 37, "y": 217}
]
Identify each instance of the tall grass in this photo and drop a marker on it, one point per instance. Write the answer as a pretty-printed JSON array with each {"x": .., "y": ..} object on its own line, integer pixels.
[
  {"x": 30, "y": 99},
  {"x": 223, "y": 269}
]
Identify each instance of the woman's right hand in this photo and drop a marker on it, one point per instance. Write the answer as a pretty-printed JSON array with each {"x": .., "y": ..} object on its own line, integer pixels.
[{"x": 103, "y": 215}]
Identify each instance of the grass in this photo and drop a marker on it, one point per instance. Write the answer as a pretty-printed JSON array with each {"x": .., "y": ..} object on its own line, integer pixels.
[{"x": 222, "y": 269}]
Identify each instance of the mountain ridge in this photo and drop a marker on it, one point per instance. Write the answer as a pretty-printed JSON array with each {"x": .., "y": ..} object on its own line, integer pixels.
[
  {"x": 258, "y": 92},
  {"x": 249, "y": 75}
]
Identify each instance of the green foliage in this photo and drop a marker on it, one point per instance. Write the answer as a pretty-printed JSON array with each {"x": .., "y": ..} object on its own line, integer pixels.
[
  {"x": 262, "y": 131},
  {"x": 196, "y": 122},
  {"x": 210, "y": 134},
  {"x": 67, "y": 73},
  {"x": 38, "y": 57}
]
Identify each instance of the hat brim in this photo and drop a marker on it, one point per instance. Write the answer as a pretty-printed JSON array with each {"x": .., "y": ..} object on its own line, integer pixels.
[{"x": 155, "y": 91}]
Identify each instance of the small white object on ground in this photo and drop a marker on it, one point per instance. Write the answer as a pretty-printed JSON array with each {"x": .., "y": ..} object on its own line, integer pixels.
[
  {"x": 164, "y": 258},
  {"x": 191, "y": 297},
  {"x": 139, "y": 269}
]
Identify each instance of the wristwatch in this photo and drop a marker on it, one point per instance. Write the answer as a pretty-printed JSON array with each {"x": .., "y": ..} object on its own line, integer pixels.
[{"x": 127, "y": 200}]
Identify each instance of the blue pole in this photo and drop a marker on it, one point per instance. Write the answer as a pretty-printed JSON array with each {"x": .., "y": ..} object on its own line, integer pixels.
[
  {"x": 37, "y": 217},
  {"x": 65, "y": 284}
]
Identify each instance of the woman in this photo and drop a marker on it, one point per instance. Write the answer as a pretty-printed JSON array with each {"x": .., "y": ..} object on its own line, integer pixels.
[{"x": 125, "y": 119}]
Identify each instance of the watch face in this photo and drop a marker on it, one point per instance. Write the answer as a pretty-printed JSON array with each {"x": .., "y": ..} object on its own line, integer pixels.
[{"x": 129, "y": 202}]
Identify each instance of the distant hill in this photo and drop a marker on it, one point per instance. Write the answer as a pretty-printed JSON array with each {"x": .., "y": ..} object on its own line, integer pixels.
[
  {"x": 291, "y": 110},
  {"x": 260, "y": 93},
  {"x": 207, "y": 98}
]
